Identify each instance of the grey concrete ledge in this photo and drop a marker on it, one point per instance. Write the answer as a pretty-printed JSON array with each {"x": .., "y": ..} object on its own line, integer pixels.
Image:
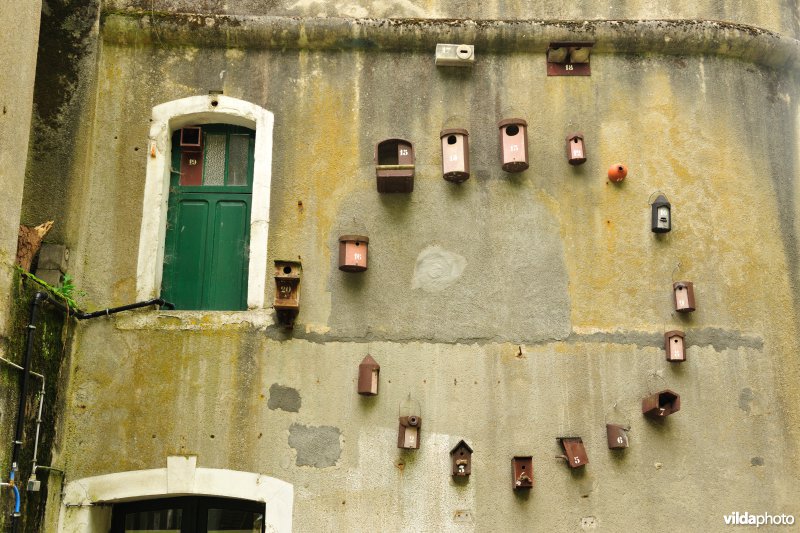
[
  {"x": 253, "y": 320},
  {"x": 671, "y": 37},
  {"x": 263, "y": 320}
]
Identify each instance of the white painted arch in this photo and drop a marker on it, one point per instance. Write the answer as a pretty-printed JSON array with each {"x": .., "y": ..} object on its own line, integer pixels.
[
  {"x": 209, "y": 109},
  {"x": 86, "y": 504}
]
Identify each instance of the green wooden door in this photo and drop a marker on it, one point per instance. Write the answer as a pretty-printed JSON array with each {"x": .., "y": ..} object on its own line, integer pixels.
[{"x": 208, "y": 221}]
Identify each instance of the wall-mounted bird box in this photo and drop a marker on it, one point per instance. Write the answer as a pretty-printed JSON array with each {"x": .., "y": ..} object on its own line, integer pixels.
[
  {"x": 617, "y": 172},
  {"x": 661, "y": 215},
  {"x": 661, "y": 404},
  {"x": 574, "y": 451},
  {"x": 522, "y": 470},
  {"x": 684, "y": 296},
  {"x": 454, "y": 55},
  {"x": 617, "y": 436},
  {"x": 192, "y": 137},
  {"x": 394, "y": 166},
  {"x": 368, "y": 372},
  {"x": 191, "y": 149},
  {"x": 513, "y": 144},
  {"x": 674, "y": 346},
  {"x": 408, "y": 432},
  {"x": 576, "y": 148},
  {"x": 353, "y": 253},
  {"x": 569, "y": 59},
  {"x": 287, "y": 291},
  {"x": 461, "y": 459},
  {"x": 455, "y": 154}
]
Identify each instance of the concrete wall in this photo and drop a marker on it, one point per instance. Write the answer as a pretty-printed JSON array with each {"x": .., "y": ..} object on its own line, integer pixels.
[
  {"x": 19, "y": 32},
  {"x": 514, "y": 308},
  {"x": 778, "y": 15},
  {"x": 18, "y": 45}
]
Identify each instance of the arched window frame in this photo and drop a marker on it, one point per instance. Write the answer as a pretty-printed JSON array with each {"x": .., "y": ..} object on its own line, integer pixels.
[
  {"x": 198, "y": 110},
  {"x": 86, "y": 503}
]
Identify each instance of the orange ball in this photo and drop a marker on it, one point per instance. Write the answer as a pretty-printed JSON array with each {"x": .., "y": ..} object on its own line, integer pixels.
[{"x": 617, "y": 172}]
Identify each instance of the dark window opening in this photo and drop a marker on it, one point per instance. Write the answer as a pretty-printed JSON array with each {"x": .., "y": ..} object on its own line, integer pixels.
[{"x": 189, "y": 514}]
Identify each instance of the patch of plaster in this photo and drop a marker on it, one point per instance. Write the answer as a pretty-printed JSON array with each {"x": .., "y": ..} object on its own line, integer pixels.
[
  {"x": 746, "y": 397},
  {"x": 437, "y": 269},
  {"x": 317, "y": 446},
  {"x": 284, "y": 398}
]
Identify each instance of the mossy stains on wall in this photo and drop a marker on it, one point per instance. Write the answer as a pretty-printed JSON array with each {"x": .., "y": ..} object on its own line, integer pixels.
[{"x": 49, "y": 349}]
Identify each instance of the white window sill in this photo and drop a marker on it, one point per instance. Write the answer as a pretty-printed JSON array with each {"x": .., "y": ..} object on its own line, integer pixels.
[{"x": 164, "y": 320}]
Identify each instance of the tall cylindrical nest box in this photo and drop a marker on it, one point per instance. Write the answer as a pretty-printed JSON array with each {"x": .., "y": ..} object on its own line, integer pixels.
[
  {"x": 353, "y": 253},
  {"x": 455, "y": 154},
  {"x": 661, "y": 215},
  {"x": 287, "y": 291},
  {"x": 576, "y": 148},
  {"x": 408, "y": 432},
  {"x": 674, "y": 346},
  {"x": 513, "y": 144},
  {"x": 684, "y": 296},
  {"x": 368, "y": 372}
]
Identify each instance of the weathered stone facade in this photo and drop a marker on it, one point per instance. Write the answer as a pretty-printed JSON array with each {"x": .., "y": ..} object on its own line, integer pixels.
[{"x": 515, "y": 309}]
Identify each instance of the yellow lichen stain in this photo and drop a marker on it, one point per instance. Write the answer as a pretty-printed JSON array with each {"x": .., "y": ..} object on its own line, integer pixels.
[
  {"x": 620, "y": 272},
  {"x": 323, "y": 162},
  {"x": 234, "y": 54}
]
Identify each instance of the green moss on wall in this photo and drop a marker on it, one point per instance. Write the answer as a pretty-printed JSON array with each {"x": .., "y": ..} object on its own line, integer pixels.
[{"x": 49, "y": 349}]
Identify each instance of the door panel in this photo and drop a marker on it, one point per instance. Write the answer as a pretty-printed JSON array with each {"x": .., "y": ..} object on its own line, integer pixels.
[
  {"x": 228, "y": 261},
  {"x": 188, "y": 263}
]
